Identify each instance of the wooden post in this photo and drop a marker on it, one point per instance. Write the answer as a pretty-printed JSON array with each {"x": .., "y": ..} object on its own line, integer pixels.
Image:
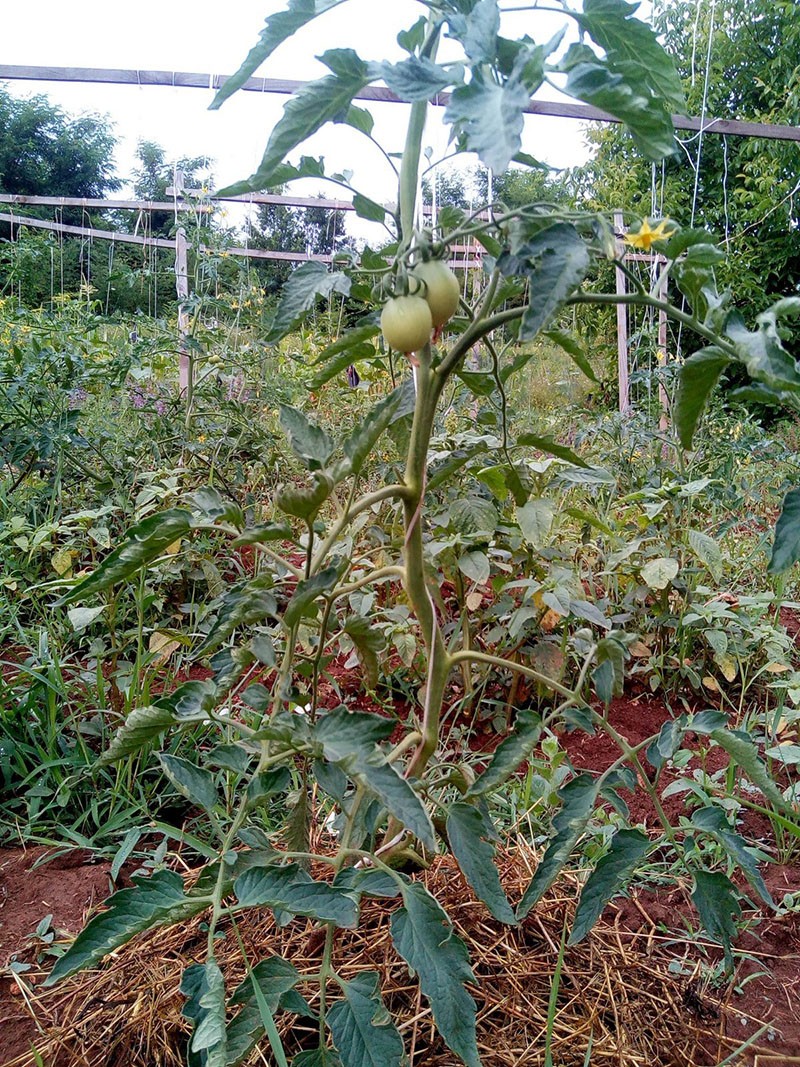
[{"x": 622, "y": 332}]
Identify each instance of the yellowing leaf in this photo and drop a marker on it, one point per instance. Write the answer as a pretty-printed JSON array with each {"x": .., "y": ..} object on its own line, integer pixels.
[
  {"x": 174, "y": 548},
  {"x": 777, "y": 668},
  {"x": 163, "y": 645},
  {"x": 639, "y": 650},
  {"x": 711, "y": 683},
  {"x": 727, "y": 665},
  {"x": 61, "y": 561},
  {"x": 474, "y": 600}
]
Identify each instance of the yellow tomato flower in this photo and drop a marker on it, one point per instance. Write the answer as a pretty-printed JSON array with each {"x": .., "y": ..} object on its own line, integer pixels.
[{"x": 647, "y": 235}]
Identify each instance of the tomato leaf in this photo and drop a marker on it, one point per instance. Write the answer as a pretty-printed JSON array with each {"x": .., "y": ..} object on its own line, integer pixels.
[
  {"x": 306, "y": 284},
  {"x": 362, "y": 1028},
  {"x": 469, "y": 833},
  {"x": 608, "y": 878}
]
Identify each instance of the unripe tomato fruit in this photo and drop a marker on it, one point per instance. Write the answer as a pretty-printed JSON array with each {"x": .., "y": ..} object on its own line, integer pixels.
[
  {"x": 406, "y": 323},
  {"x": 441, "y": 289}
]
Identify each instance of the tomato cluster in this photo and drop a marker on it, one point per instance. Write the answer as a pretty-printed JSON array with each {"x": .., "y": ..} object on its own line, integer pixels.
[{"x": 408, "y": 321}]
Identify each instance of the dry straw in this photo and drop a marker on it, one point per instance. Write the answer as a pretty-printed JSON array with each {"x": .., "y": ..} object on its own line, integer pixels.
[{"x": 615, "y": 991}]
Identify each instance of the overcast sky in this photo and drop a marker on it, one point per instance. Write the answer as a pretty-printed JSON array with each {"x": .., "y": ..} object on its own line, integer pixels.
[{"x": 212, "y": 37}]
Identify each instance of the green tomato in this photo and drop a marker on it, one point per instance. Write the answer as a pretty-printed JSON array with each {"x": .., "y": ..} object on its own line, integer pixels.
[
  {"x": 406, "y": 323},
  {"x": 442, "y": 290}
]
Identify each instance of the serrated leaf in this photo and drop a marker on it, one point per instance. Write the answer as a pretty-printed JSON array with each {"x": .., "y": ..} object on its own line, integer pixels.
[
  {"x": 277, "y": 29},
  {"x": 362, "y": 1028},
  {"x": 714, "y": 821},
  {"x": 291, "y": 889},
  {"x": 306, "y": 284},
  {"x": 632, "y": 47},
  {"x": 307, "y": 591},
  {"x": 508, "y": 755},
  {"x": 745, "y": 754},
  {"x": 646, "y": 117},
  {"x": 473, "y": 517},
  {"x": 707, "y": 551},
  {"x": 274, "y": 978},
  {"x": 469, "y": 834},
  {"x": 551, "y": 447},
  {"x": 204, "y": 987},
  {"x": 368, "y": 209},
  {"x": 244, "y": 605},
  {"x": 266, "y": 784},
  {"x": 490, "y": 117},
  {"x": 156, "y": 901},
  {"x": 360, "y": 443},
  {"x": 394, "y": 792},
  {"x": 360, "y": 119},
  {"x": 478, "y": 31},
  {"x": 143, "y": 544},
  {"x": 308, "y": 441},
  {"x": 142, "y": 726},
  {"x": 555, "y": 262},
  {"x": 213, "y": 507},
  {"x": 416, "y": 78},
  {"x": 315, "y": 104},
  {"x": 608, "y": 878},
  {"x": 350, "y": 347},
  {"x": 195, "y": 783},
  {"x": 577, "y": 798},
  {"x": 696, "y": 381},
  {"x": 318, "y": 1057},
  {"x": 475, "y": 565},
  {"x": 342, "y": 732},
  {"x": 786, "y": 546},
  {"x": 423, "y": 935},
  {"x": 717, "y": 903}
]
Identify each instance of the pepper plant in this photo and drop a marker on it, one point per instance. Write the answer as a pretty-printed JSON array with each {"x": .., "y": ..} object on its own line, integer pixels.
[{"x": 284, "y": 761}]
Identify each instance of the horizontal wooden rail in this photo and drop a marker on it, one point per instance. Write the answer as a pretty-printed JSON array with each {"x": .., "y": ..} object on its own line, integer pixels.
[
  {"x": 95, "y": 202},
  {"x": 193, "y": 80},
  {"x": 155, "y": 242}
]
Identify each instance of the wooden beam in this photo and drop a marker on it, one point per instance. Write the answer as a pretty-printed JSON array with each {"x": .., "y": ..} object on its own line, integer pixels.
[
  {"x": 157, "y": 242},
  {"x": 184, "y": 79},
  {"x": 93, "y": 202}
]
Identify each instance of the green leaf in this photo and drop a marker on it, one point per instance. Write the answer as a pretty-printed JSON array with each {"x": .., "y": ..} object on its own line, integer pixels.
[
  {"x": 195, "y": 783},
  {"x": 745, "y": 754},
  {"x": 578, "y": 798},
  {"x": 310, "y": 108},
  {"x": 142, "y": 726},
  {"x": 478, "y": 31},
  {"x": 362, "y": 1028},
  {"x": 213, "y": 507},
  {"x": 274, "y": 977},
  {"x": 305, "y": 285},
  {"x": 786, "y": 547},
  {"x": 156, "y": 901},
  {"x": 308, "y": 441},
  {"x": 473, "y": 517},
  {"x": 266, "y": 784},
  {"x": 80, "y": 618},
  {"x": 342, "y": 732},
  {"x": 707, "y": 551},
  {"x": 646, "y": 117},
  {"x": 368, "y": 209},
  {"x": 143, "y": 544},
  {"x": 291, "y": 889},
  {"x": 696, "y": 380},
  {"x": 714, "y": 821},
  {"x": 475, "y": 565},
  {"x": 307, "y": 591},
  {"x": 469, "y": 833},
  {"x": 394, "y": 792},
  {"x": 358, "y": 446},
  {"x": 416, "y": 78},
  {"x": 424, "y": 936},
  {"x": 552, "y": 448},
  {"x": 277, "y": 29},
  {"x": 204, "y": 987},
  {"x": 555, "y": 262},
  {"x": 508, "y": 755},
  {"x": 261, "y": 535},
  {"x": 490, "y": 117},
  {"x": 360, "y": 119},
  {"x": 574, "y": 350},
  {"x": 244, "y": 605},
  {"x": 632, "y": 48},
  {"x": 535, "y": 520},
  {"x": 762, "y": 352},
  {"x": 607, "y": 879},
  {"x": 318, "y": 1057},
  {"x": 304, "y": 503},
  {"x": 717, "y": 903},
  {"x": 347, "y": 349}
]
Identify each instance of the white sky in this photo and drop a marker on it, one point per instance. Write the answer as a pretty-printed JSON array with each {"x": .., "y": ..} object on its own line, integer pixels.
[{"x": 210, "y": 37}]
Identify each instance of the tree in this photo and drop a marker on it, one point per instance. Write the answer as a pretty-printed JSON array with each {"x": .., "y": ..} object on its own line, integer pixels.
[
  {"x": 46, "y": 152},
  {"x": 745, "y": 188},
  {"x": 155, "y": 174},
  {"x": 283, "y": 228}
]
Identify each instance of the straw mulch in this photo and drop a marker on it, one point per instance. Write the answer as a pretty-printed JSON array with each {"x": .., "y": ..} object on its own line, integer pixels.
[{"x": 616, "y": 990}]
